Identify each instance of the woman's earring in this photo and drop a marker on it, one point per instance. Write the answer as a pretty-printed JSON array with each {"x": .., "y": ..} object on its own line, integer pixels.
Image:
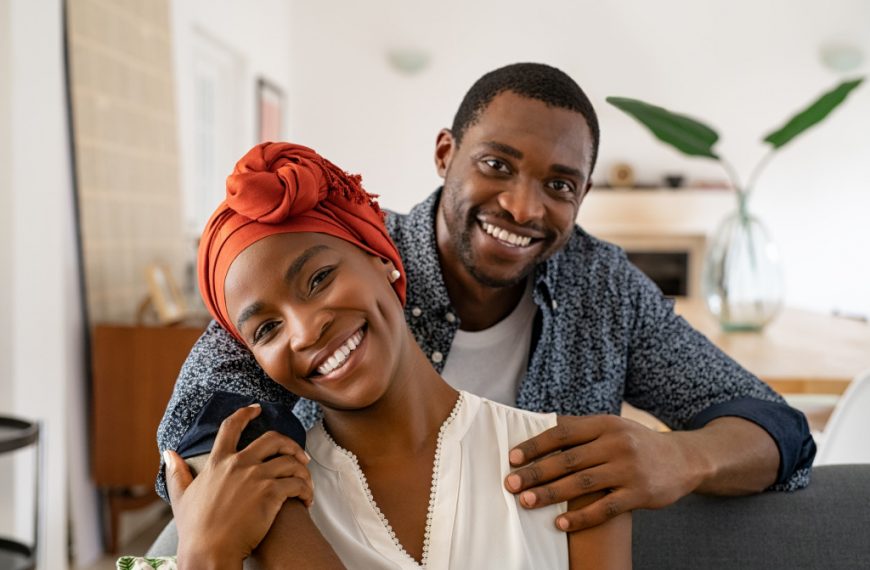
[{"x": 394, "y": 275}]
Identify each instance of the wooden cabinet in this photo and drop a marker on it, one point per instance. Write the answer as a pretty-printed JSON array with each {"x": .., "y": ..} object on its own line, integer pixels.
[{"x": 134, "y": 371}]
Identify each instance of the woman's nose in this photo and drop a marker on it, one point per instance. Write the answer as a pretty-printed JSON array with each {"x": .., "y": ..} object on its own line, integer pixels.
[
  {"x": 523, "y": 201},
  {"x": 306, "y": 326}
]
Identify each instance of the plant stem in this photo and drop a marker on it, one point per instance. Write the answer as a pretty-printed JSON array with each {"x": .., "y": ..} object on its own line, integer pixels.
[
  {"x": 750, "y": 185},
  {"x": 735, "y": 181}
]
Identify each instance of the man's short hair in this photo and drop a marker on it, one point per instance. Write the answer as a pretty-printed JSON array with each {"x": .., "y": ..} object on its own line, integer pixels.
[{"x": 535, "y": 81}]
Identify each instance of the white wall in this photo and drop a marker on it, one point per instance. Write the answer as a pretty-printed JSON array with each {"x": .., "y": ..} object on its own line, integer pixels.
[
  {"x": 255, "y": 33},
  {"x": 7, "y": 490},
  {"x": 45, "y": 349},
  {"x": 742, "y": 66}
]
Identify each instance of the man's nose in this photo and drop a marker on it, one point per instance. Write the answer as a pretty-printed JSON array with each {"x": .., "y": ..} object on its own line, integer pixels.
[{"x": 523, "y": 201}]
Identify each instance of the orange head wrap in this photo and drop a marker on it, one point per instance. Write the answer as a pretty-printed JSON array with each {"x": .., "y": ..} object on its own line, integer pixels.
[{"x": 286, "y": 188}]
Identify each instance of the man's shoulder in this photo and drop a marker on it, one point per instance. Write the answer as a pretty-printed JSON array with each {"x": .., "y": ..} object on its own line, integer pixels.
[{"x": 586, "y": 259}]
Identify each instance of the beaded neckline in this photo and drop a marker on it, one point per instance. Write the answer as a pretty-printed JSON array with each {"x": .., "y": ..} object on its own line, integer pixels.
[{"x": 433, "y": 488}]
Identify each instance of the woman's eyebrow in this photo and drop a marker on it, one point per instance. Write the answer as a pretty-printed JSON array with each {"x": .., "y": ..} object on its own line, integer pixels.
[
  {"x": 300, "y": 261},
  {"x": 249, "y": 312},
  {"x": 292, "y": 271}
]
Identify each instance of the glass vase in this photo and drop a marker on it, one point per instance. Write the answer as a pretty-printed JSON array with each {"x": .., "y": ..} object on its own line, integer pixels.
[{"x": 742, "y": 275}]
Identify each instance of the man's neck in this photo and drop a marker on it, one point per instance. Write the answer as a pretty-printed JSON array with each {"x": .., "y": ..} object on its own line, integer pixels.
[{"x": 477, "y": 306}]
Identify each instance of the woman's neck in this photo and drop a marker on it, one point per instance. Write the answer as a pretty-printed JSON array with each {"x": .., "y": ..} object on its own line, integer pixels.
[{"x": 406, "y": 419}]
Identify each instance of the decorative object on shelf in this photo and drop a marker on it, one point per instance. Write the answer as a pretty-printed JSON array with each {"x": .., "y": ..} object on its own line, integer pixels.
[
  {"x": 620, "y": 175},
  {"x": 163, "y": 296},
  {"x": 674, "y": 180},
  {"x": 742, "y": 281}
]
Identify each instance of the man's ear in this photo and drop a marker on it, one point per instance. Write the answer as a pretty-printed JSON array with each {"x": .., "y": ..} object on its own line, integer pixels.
[{"x": 445, "y": 145}]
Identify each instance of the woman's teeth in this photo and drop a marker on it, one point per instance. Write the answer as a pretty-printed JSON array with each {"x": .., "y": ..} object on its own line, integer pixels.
[
  {"x": 506, "y": 236},
  {"x": 341, "y": 354}
]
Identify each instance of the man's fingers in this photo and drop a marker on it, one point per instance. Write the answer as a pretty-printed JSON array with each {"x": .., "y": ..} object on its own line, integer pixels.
[
  {"x": 227, "y": 438},
  {"x": 178, "y": 476},
  {"x": 595, "y": 513},
  {"x": 569, "y": 432},
  {"x": 567, "y": 488},
  {"x": 554, "y": 467}
]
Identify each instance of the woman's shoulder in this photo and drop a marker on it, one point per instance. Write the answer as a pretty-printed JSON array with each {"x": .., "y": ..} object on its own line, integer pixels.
[{"x": 518, "y": 424}]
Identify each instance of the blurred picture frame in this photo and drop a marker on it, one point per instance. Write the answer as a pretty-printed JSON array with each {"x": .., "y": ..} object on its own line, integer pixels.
[
  {"x": 270, "y": 111},
  {"x": 164, "y": 295}
]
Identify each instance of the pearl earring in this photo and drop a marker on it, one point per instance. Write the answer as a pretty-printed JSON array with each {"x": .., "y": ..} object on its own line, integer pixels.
[{"x": 394, "y": 275}]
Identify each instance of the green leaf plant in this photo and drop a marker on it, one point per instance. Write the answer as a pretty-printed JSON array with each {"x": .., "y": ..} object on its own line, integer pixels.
[{"x": 694, "y": 138}]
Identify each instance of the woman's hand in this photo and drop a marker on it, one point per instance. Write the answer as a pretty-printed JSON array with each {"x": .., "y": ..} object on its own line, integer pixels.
[{"x": 225, "y": 512}]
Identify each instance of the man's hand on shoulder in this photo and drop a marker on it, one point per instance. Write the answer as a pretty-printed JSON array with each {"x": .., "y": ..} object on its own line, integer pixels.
[{"x": 639, "y": 467}]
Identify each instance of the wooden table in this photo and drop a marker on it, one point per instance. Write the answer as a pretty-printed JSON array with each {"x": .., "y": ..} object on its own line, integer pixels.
[{"x": 799, "y": 352}]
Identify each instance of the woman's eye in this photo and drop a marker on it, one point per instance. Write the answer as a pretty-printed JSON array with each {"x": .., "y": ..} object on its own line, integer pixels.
[
  {"x": 263, "y": 330},
  {"x": 318, "y": 278},
  {"x": 496, "y": 164},
  {"x": 561, "y": 186}
]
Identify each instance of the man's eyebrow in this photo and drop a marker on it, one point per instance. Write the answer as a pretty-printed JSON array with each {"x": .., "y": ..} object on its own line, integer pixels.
[
  {"x": 300, "y": 261},
  {"x": 504, "y": 148},
  {"x": 516, "y": 153},
  {"x": 567, "y": 170}
]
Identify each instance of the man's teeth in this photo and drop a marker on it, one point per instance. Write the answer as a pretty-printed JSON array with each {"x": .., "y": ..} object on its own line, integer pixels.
[
  {"x": 341, "y": 354},
  {"x": 504, "y": 235}
]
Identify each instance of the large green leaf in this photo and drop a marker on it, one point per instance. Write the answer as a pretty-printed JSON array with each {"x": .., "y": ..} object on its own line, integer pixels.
[
  {"x": 683, "y": 133},
  {"x": 813, "y": 114}
]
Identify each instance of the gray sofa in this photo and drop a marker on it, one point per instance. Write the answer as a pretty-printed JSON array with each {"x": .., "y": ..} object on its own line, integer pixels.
[{"x": 824, "y": 526}]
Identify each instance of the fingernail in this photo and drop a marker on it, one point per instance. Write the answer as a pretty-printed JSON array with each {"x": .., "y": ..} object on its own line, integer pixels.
[
  {"x": 562, "y": 523},
  {"x": 167, "y": 459},
  {"x": 516, "y": 456},
  {"x": 529, "y": 498},
  {"x": 514, "y": 482},
  {"x": 254, "y": 406}
]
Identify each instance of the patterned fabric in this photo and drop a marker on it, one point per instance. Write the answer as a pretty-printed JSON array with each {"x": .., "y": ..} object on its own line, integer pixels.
[
  {"x": 604, "y": 334},
  {"x": 139, "y": 563}
]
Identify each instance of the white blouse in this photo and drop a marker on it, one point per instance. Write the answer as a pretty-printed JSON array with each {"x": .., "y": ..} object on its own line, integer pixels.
[{"x": 473, "y": 521}]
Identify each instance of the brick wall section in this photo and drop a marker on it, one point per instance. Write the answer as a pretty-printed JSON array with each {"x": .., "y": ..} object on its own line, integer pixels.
[{"x": 126, "y": 149}]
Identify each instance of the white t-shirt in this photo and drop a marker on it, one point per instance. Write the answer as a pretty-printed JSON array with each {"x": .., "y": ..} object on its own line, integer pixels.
[
  {"x": 491, "y": 363},
  {"x": 473, "y": 521}
]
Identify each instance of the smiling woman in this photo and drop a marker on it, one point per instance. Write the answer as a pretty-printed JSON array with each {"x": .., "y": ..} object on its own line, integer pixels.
[{"x": 297, "y": 265}]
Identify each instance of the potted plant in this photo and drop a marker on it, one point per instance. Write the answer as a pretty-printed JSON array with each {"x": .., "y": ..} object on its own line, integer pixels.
[{"x": 742, "y": 276}]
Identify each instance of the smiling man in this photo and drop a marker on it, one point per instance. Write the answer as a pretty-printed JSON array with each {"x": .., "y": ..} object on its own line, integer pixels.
[{"x": 511, "y": 300}]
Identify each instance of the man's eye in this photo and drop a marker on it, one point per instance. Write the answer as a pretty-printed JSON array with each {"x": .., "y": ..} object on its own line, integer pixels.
[
  {"x": 561, "y": 186},
  {"x": 263, "y": 330},
  {"x": 318, "y": 278},
  {"x": 496, "y": 164}
]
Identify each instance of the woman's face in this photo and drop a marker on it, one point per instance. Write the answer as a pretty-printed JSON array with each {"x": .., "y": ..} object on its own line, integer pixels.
[{"x": 319, "y": 315}]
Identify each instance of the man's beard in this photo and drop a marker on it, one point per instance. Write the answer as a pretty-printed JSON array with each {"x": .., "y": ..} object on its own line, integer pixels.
[{"x": 465, "y": 251}]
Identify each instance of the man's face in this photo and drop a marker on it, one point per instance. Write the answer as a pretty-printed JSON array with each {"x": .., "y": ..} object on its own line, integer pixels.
[{"x": 512, "y": 188}]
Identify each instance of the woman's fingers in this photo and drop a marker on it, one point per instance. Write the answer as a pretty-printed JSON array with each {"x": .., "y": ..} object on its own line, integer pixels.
[
  {"x": 273, "y": 443},
  {"x": 178, "y": 476},
  {"x": 227, "y": 438},
  {"x": 293, "y": 488},
  {"x": 283, "y": 467}
]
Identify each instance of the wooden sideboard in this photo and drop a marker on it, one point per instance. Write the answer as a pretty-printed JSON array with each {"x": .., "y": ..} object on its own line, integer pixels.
[{"x": 134, "y": 371}]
